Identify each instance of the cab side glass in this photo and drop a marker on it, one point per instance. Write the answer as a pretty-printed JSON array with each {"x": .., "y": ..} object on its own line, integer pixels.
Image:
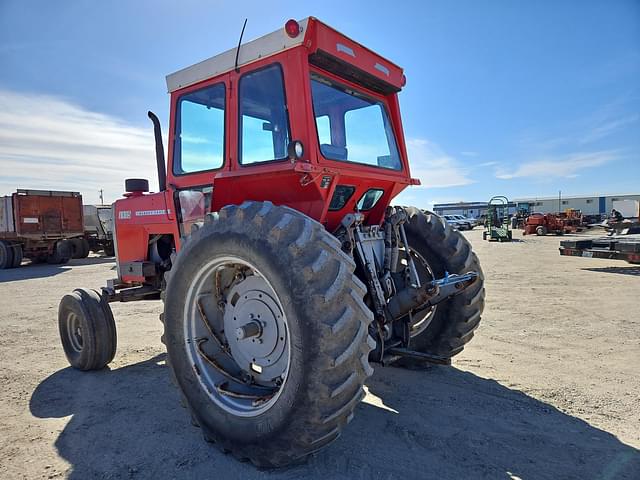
[
  {"x": 264, "y": 123},
  {"x": 369, "y": 199},
  {"x": 200, "y": 131}
]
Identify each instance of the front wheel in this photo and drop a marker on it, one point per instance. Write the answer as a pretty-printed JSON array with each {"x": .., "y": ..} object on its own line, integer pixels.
[
  {"x": 438, "y": 249},
  {"x": 267, "y": 333},
  {"x": 87, "y": 329}
]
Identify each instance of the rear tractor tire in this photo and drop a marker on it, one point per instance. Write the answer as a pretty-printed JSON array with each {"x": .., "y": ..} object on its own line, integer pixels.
[
  {"x": 267, "y": 333},
  {"x": 437, "y": 248},
  {"x": 87, "y": 329}
]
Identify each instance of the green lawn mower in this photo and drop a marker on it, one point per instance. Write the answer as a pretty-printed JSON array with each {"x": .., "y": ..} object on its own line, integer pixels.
[{"x": 496, "y": 223}]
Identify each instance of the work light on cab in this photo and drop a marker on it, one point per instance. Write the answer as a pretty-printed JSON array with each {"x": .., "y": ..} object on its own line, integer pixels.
[{"x": 295, "y": 150}]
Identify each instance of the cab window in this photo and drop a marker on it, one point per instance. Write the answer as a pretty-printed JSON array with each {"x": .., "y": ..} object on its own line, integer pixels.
[
  {"x": 199, "y": 138},
  {"x": 264, "y": 123},
  {"x": 353, "y": 127}
]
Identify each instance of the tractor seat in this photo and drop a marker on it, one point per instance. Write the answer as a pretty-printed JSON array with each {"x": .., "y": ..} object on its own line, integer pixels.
[{"x": 334, "y": 152}]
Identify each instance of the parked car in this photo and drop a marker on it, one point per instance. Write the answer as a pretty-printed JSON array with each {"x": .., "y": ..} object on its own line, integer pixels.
[
  {"x": 457, "y": 223},
  {"x": 471, "y": 222}
]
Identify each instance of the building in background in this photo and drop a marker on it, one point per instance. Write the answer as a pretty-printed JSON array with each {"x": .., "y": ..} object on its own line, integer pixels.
[
  {"x": 468, "y": 209},
  {"x": 594, "y": 205},
  {"x": 588, "y": 205}
]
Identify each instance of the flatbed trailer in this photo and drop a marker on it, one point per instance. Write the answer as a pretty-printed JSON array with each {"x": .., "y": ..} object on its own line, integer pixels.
[{"x": 615, "y": 248}]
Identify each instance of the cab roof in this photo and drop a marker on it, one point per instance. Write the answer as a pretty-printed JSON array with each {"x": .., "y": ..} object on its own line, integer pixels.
[{"x": 327, "y": 48}]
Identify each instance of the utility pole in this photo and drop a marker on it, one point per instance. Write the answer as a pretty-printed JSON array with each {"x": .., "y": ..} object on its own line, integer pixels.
[
  {"x": 559, "y": 200},
  {"x": 101, "y": 197}
]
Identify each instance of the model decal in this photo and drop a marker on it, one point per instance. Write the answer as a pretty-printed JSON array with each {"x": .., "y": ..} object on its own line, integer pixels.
[{"x": 147, "y": 213}]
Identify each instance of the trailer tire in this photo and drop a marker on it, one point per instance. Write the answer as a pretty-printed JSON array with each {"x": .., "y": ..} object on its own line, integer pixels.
[
  {"x": 109, "y": 249},
  {"x": 17, "y": 255},
  {"x": 87, "y": 329},
  {"x": 61, "y": 253},
  {"x": 453, "y": 321},
  {"x": 320, "y": 301},
  {"x": 79, "y": 247},
  {"x": 6, "y": 255},
  {"x": 541, "y": 230}
]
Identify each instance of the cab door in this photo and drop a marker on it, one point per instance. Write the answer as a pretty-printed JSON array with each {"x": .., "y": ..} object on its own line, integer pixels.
[{"x": 198, "y": 148}]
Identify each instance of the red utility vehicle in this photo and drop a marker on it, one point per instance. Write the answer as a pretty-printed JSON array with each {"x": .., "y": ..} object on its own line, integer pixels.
[
  {"x": 283, "y": 268},
  {"x": 37, "y": 224}
]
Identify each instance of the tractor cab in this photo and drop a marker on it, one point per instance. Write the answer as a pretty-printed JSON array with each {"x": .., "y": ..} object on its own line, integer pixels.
[{"x": 303, "y": 117}]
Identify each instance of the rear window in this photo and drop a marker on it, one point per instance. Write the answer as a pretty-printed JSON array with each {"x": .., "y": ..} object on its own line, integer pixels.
[{"x": 353, "y": 127}]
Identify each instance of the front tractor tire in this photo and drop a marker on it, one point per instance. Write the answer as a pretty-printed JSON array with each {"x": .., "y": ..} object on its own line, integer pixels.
[
  {"x": 267, "y": 333},
  {"x": 437, "y": 248},
  {"x": 87, "y": 329}
]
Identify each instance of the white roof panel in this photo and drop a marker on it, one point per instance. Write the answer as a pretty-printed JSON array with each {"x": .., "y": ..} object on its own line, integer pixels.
[{"x": 249, "y": 52}]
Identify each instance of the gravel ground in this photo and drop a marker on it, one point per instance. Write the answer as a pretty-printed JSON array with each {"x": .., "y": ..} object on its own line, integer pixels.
[{"x": 548, "y": 388}]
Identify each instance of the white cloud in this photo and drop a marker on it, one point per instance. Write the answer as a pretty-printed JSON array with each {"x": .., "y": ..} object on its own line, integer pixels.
[
  {"x": 433, "y": 166},
  {"x": 556, "y": 166},
  {"x": 607, "y": 128},
  {"x": 50, "y": 143}
]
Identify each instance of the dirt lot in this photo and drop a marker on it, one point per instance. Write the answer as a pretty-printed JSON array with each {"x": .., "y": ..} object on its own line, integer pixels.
[{"x": 549, "y": 388}]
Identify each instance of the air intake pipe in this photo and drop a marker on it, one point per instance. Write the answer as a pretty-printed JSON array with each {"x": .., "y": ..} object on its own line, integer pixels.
[{"x": 162, "y": 171}]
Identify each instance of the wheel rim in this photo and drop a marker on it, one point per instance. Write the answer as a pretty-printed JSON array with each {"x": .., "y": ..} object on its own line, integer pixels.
[
  {"x": 422, "y": 320},
  {"x": 236, "y": 336},
  {"x": 74, "y": 332}
]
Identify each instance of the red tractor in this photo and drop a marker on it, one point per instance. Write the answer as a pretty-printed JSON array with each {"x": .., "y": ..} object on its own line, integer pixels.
[{"x": 283, "y": 268}]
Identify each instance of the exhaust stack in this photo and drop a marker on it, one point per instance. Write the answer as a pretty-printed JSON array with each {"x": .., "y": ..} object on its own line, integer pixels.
[{"x": 162, "y": 171}]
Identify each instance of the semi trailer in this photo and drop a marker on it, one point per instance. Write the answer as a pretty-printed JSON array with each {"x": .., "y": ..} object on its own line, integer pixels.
[{"x": 38, "y": 224}]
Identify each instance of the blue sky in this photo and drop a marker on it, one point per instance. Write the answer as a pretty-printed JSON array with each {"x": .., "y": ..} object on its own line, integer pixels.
[{"x": 503, "y": 97}]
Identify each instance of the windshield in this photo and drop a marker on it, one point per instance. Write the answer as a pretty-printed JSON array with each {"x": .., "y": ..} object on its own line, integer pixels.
[{"x": 353, "y": 127}]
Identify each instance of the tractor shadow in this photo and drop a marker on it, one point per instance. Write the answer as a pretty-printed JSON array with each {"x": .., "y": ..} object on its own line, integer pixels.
[
  {"x": 29, "y": 270},
  {"x": 443, "y": 423},
  {"x": 629, "y": 270}
]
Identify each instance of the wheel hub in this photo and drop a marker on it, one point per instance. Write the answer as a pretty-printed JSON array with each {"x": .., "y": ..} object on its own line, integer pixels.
[
  {"x": 74, "y": 332},
  {"x": 255, "y": 330}
]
